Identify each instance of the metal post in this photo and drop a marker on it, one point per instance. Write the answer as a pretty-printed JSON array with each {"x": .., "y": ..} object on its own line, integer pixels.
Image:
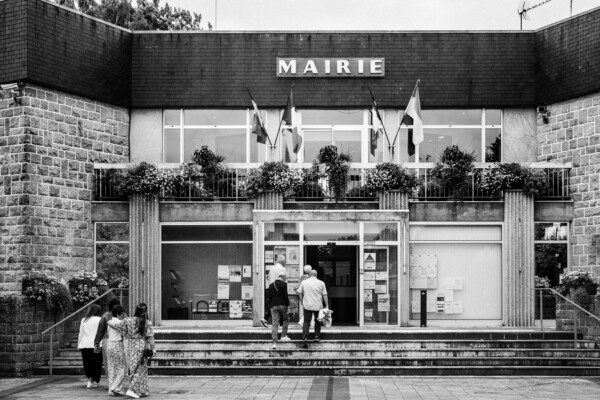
[
  {"x": 542, "y": 309},
  {"x": 575, "y": 326},
  {"x": 423, "y": 308},
  {"x": 51, "y": 339}
]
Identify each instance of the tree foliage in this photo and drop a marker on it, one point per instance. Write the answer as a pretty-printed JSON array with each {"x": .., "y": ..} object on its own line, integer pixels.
[{"x": 148, "y": 15}]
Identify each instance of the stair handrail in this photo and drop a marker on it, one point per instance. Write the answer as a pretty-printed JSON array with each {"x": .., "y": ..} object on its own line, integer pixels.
[
  {"x": 51, "y": 329},
  {"x": 568, "y": 301}
]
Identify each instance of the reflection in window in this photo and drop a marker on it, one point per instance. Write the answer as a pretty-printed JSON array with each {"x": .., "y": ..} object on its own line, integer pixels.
[
  {"x": 281, "y": 231},
  {"x": 383, "y": 232},
  {"x": 330, "y": 231},
  {"x": 112, "y": 253},
  {"x": 475, "y": 131}
]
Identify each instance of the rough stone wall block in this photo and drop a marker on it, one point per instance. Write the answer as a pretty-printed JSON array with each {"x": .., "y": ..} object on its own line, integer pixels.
[{"x": 519, "y": 266}]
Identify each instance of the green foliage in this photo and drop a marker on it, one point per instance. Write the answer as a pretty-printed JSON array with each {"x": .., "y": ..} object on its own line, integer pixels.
[
  {"x": 513, "y": 176},
  {"x": 360, "y": 191},
  {"x": 211, "y": 163},
  {"x": 574, "y": 280},
  {"x": 332, "y": 166},
  {"x": 48, "y": 289},
  {"x": 581, "y": 297},
  {"x": 453, "y": 170},
  {"x": 146, "y": 179},
  {"x": 389, "y": 176},
  {"x": 272, "y": 176},
  {"x": 86, "y": 286},
  {"x": 112, "y": 260},
  {"x": 542, "y": 282},
  {"x": 147, "y": 16}
]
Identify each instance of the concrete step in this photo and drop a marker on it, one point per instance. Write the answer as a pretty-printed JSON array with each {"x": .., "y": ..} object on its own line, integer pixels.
[
  {"x": 332, "y": 334},
  {"x": 375, "y": 344},
  {"x": 292, "y": 350},
  {"x": 350, "y": 371}
]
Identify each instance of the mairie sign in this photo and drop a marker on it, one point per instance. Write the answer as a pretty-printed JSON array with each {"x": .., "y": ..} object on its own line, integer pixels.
[{"x": 330, "y": 67}]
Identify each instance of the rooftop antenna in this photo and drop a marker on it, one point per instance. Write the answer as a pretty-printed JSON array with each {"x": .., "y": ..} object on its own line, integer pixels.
[{"x": 525, "y": 6}]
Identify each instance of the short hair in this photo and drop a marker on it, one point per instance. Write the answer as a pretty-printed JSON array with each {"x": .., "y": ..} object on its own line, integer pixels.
[
  {"x": 117, "y": 310},
  {"x": 307, "y": 269},
  {"x": 282, "y": 274},
  {"x": 277, "y": 264},
  {"x": 313, "y": 272},
  {"x": 112, "y": 303}
]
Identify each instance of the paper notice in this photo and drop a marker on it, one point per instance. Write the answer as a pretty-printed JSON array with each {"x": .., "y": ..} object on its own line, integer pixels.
[
  {"x": 383, "y": 302},
  {"x": 223, "y": 291},
  {"x": 235, "y": 273},
  {"x": 448, "y": 307},
  {"x": 458, "y": 284},
  {"x": 223, "y": 272},
  {"x": 367, "y": 296},
  {"x": 449, "y": 294},
  {"x": 380, "y": 289},
  {"x": 246, "y": 271},
  {"x": 369, "y": 284},
  {"x": 368, "y": 313},
  {"x": 381, "y": 276},
  {"x": 247, "y": 292},
  {"x": 269, "y": 257},
  {"x": 370, "y": 260},
  {"x": 369, "y": 276},
  {"x": 235, "y": 309},
  {"x": 458, "y": 307}
]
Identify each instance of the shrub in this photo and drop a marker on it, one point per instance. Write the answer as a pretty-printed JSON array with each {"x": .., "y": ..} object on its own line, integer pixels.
[
  {"x": 86, "y": 286},
  {"x": 272, "y": 176},
  {"x": 48, "y": 289},
  {"x": 453, "y": 170},
  {"x": 334, "y": 167},
  {"x": 574, "y": 280},
  {"x": 146, "y": 179},
  {"x": 513, "y": 176},
  {"x": 389, "y": 176}
]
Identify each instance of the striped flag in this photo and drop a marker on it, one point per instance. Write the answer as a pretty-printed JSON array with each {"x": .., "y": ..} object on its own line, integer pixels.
[
  {"x": 377, "y": 127},
  {"x": 258, "y": 128},
  {"x": 412, "y": 116},
  {"x": 293, "y": 140}
]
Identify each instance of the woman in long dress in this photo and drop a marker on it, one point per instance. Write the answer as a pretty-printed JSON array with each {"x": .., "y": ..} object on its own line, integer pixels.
[
  {"x": 92, "y": 362},
  {"x": 115, "y": 354},
  {"x": 140, "y": 333}
]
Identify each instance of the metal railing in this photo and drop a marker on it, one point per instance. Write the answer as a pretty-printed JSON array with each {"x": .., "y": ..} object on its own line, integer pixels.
[
  {"x": 230, "y": 186},
  {"x": 572, "y": 303},
  {"x": 62, "y": 321}
]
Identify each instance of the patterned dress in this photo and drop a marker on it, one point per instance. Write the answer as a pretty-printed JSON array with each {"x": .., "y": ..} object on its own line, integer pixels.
[
  {"x": 115, "y": 353},
  {"x": 135, "y": 350}
]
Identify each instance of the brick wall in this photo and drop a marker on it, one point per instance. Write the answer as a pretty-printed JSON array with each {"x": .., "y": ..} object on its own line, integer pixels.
[
  {"x": 572, "y": 134},
  {"x": 49, "y": 145}
]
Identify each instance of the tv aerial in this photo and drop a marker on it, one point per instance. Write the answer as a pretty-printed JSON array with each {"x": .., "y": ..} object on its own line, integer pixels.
[{"x": 525, "y": 6}]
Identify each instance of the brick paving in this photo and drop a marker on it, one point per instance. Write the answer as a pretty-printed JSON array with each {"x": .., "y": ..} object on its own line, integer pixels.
[{"x": 313, "y": 388}]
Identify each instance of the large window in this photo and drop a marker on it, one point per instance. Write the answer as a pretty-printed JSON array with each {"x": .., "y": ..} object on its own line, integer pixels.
[
  {"x": 226, "y": 132},
  {"x": 207, "y": 272},
  {"x": 341, "y": 128},
  {"x": 112, "y": 253},
  {"x": 477, "y": 131}
]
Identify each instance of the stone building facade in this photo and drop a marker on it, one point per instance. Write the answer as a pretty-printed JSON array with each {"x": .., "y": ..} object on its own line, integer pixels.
[{"x": 572, "y": 135}]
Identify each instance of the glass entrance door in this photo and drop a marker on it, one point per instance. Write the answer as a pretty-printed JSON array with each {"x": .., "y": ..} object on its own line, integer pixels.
[
  {"x": 337, "y": 266},
  {"x": 376, "y": 302}
]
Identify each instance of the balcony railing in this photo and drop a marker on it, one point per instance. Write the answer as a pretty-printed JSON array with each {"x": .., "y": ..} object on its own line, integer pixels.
[{"x": 230, "y": 186}]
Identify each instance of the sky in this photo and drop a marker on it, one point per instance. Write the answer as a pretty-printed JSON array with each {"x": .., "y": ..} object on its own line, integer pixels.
[{"x": 397, "y": 15}]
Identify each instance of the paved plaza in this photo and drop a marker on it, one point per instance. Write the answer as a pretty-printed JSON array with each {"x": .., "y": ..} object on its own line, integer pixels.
[{"x": 329, "y": 388}]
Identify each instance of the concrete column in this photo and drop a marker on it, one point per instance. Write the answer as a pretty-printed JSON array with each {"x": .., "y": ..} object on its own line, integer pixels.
[
  {"x": 518, "y": 255},
  {"x": 144, "y": 251},
  {"x": 269, "y": 201},
  {"x": 393, "y": 200}
]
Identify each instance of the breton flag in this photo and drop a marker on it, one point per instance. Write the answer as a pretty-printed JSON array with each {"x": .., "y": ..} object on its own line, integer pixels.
[
  {"x": 293, "y": 140},
  {"x": 412, "y": 116},
  {"x": 377, "y": 128},
  {"x": 258, "y": 128}
]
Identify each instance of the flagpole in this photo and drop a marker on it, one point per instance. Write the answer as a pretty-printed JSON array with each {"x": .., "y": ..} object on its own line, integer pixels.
[
  {"x": 251, "y": 98},
  {"x": 378, "y": 116},
  {"x": 281, "y": 119},
  {"x": 400, "y": 127}
]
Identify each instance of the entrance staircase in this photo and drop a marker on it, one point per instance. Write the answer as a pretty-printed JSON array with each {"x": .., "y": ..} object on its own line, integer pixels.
[{"x": 363, "y": 352}]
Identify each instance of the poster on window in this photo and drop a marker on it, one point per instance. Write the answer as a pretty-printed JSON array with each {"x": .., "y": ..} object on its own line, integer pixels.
[
  {"x": 269, "y": 257},
  {"x": 292, "y": 255},
  {"x": 369, "y": 284},
  {"x": 368, "y": 296},
  {"x": 223, "y": 291},
  {"x": 293, "y": 271},
  {"x": 369, "y": 276},
  {"x": 212, "y": 306},
  {"x": 223, "y": 272},
  {"x": 370, "y": 261},
  {"x": 235, "y": 273},
  {"x": 235, "y": 309},
  {"x": 247, "y": 309},
  {"x": 279, "y": 254},
  {"x": 246, "y": 271},
  {"x": 247, "y": 291},
  {"x": 381, "y": 275},
  {"x": 383, "y": 302},
  {"x": 380, "y": 289}
]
